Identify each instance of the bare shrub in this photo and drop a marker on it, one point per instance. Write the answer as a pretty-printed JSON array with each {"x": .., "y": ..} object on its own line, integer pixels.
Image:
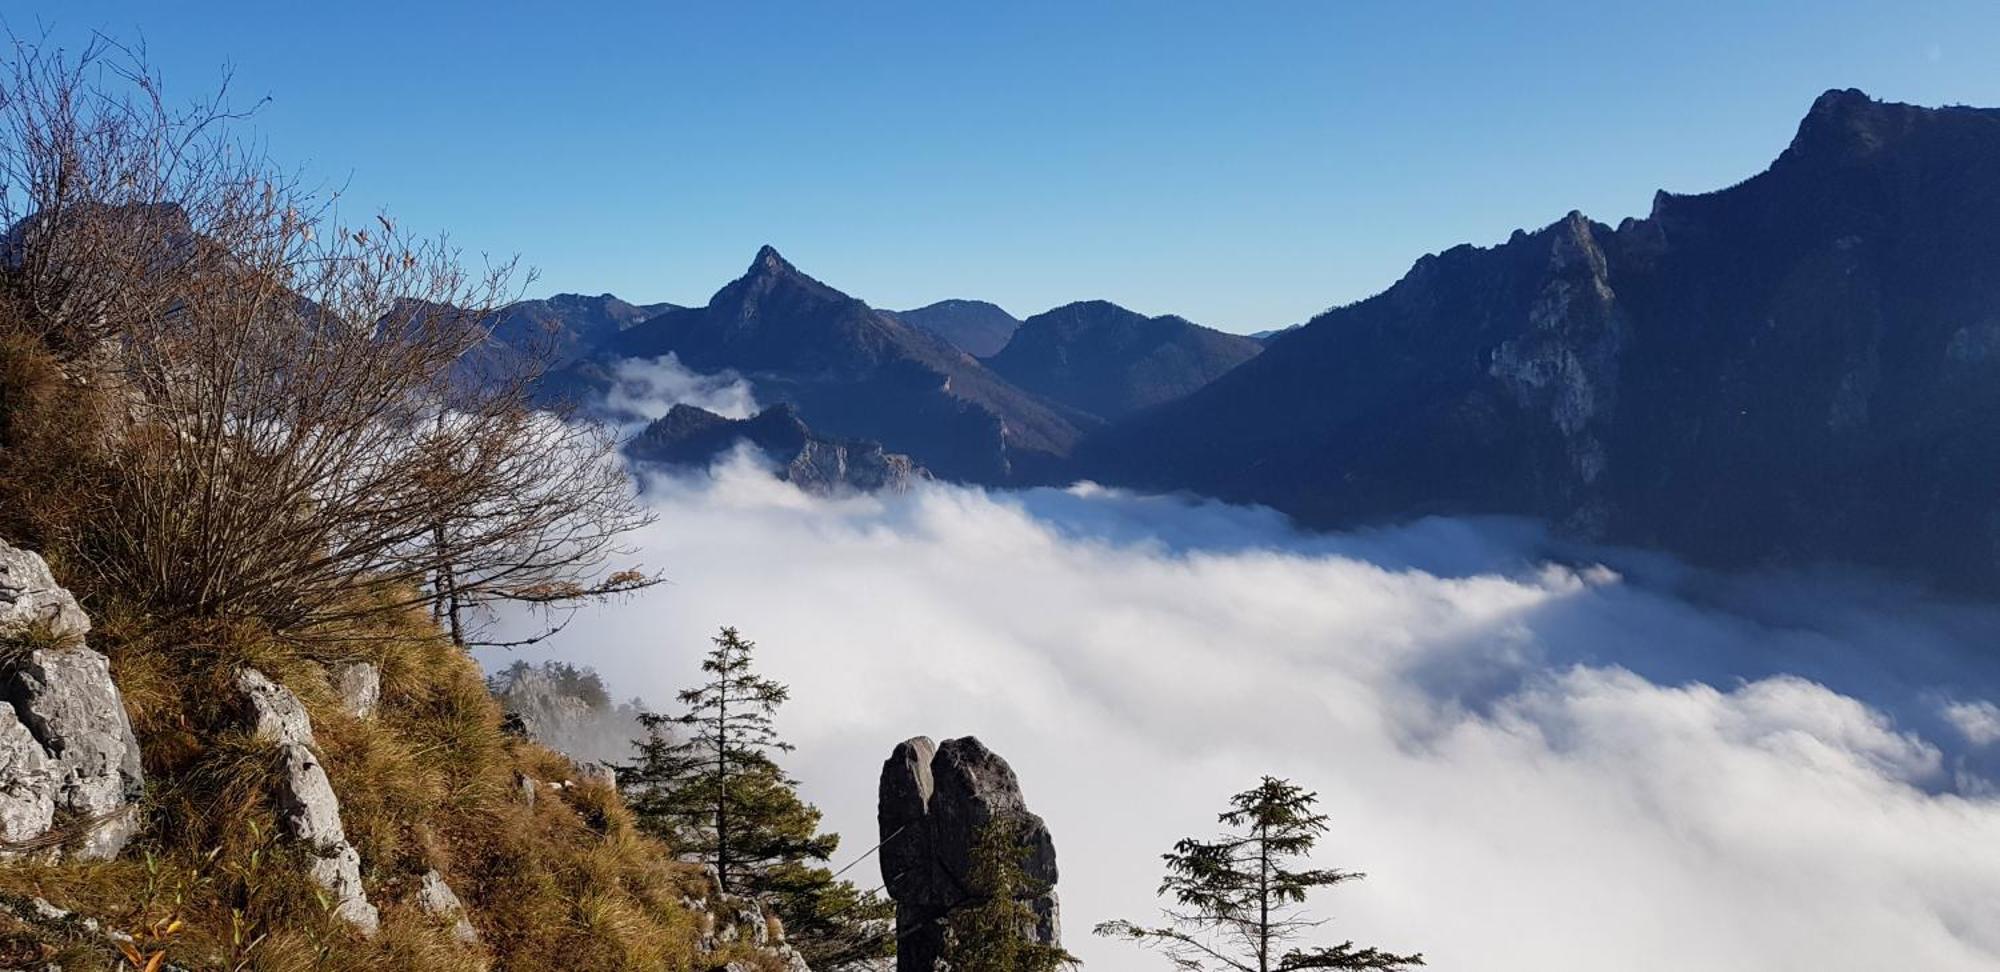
[{"x": 316, "y": 425}]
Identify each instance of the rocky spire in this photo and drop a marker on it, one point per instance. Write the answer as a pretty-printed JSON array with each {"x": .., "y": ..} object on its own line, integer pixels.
[{"x": 933, "y": 802}]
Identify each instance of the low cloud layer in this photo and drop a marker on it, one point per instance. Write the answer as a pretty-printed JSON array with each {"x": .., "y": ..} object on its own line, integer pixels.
[
  {"x": 1543, "y": 762},
  {"x": 643, "y": 389}
]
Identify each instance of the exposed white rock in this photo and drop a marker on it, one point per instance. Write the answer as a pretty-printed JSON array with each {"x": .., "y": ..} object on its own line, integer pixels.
[
  {"x": 66, "y": 698},
  {"x": 27, "y": 782},
  {"x": 440, "y": 902},
  {"x": 340, "y": 874},
  {"x": 308, "y": 809},
  {"x": 62, "y": 699},
  {"x": 30, "y": 596},
  {"x": 274, "y": 713},
  {"x": 307, "y": 805},
  {"x": 359, "y": 685}
]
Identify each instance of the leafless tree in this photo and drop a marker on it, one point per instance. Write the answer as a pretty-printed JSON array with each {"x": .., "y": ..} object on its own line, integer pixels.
[{"x": 318, "y": 426}]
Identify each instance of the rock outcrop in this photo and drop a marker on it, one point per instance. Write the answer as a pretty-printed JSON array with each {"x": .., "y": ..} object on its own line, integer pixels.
[
  {"x": 27, "y": 782},
  {"x": 66, "y": 698},
  {"x": 687, "y": 435},
  {"x": 308, "y": 810},
  {"x": 933, "y": 802},
  {"x": 67, "y": 751},
  {"x": 438, "y": 900},
  {"x": 359, "y": 685},
  {"x": 30, "y": 597},
  {"x": 567, "y": 709}
]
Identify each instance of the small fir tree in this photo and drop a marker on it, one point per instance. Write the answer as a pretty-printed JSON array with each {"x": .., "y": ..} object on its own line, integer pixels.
[
  {"x": 1238, "y": 901},
  {"x": 707, "y": 782},
  {"x": 994, "y": 932}
]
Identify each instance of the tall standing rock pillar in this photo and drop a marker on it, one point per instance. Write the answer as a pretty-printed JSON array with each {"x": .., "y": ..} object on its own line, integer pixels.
[{"x": 933, "y": 802}]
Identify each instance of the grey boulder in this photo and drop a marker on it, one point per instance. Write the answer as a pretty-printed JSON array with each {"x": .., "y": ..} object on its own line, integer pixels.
[
  {"x": 66, "y": 698},
  {"x": 30, "y": 596},
  {"x": 27, "y": 783},
  {"x": 437, "y": 899}
]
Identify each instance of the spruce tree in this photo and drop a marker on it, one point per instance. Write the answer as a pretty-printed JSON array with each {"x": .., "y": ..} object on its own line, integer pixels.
[
  {"x": 994, "y": 931},
  {"x": 1238, "y": 901},
  {"x": 707, "y": 782}
]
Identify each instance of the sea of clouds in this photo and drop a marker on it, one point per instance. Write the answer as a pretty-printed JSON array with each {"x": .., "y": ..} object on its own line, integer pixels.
[{"x": 1544, "y": 758}]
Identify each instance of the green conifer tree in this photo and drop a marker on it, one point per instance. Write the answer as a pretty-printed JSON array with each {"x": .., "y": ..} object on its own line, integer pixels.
[
  {"x": 994, "y": 932},
  {"x": 1238, "y": 900},
  {"x": 707, "y": 782}
]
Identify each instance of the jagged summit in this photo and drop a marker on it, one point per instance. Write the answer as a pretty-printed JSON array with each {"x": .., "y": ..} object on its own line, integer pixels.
[
  {"x": 1796, "y": 368},
  {"x": 769, "y": 260}
]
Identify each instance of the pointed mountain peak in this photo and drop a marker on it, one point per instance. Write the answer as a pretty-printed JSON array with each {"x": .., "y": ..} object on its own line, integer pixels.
[{"x": 770, "y": 261}]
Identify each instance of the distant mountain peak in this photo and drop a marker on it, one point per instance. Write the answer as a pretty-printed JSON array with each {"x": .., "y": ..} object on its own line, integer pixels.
[
  {"x": 770, "y": 261},
  {"x": 1110, "y": 361},
  {"x": 975, "y": 326}
]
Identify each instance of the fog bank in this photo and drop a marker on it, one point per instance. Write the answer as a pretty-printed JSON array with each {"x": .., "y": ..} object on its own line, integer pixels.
[{"x": 1545, "y": 758}]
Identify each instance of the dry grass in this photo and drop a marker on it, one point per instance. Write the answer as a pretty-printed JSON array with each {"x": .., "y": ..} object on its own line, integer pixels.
[{"x": 565, "y": 882}]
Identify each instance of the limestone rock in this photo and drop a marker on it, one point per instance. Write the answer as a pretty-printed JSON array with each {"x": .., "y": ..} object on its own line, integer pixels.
[
  {"x": 307, "y": 806},
  {"x": 29, "y": 595},
  {"x": 359, "y": 685},
  {"x": 340, "y": 874},
  {"x": 27, "y": 782},
  {"x": 308, "y": 809},
  {"x": 66, "y": 698},
  {"x": 599, "y": 773},
  {"x": 933, "y": 802},
  {"x": 567, "y": 710},
  {"x": 273, "y": 712},
  {"x": 440, "y": 902}
]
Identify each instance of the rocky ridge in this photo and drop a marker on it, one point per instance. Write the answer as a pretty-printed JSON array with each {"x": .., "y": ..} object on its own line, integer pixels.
[{"x": 687, "y": 435}]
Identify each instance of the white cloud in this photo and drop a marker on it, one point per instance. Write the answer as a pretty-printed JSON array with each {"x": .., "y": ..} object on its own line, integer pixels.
[
  {"x": 646, "y": 388},
  {"x": 1540, "y": 767},
  {"x": 1978, "y": 722}
]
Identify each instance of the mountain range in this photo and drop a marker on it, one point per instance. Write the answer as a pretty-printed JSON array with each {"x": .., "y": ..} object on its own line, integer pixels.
[{"x": 1803, "y": 367}]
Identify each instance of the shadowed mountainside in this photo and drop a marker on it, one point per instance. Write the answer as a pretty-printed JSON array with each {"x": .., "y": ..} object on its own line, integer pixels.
[
  {"x": 1802, "y": 367},
  {"x": 1111, "y": 362},
  {"x": 857, "y": 373},
  {"x": 974, "y": 326}
]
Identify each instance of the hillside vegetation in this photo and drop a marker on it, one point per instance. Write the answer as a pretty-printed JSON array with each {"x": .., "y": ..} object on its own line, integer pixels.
[{"x": 249, "y": 438}]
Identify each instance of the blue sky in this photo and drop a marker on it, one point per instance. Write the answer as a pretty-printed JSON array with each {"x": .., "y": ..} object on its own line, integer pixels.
[{"x": 1245, "y": 165}]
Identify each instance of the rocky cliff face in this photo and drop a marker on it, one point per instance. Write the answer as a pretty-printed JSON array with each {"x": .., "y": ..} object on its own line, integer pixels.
[
  {"x": 1103, "y": 359},
  {"x": 567, "y": 709},
  {"x": 1799, "y": 368},
  {"x": 691, "y": 436},
  {"x": 933, "y": 802}
]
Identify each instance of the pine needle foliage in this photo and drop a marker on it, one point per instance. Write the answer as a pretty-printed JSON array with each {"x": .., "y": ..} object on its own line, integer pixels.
[
  {"x": 1238, "y": 901},
  {"x": 994, "y": 931},
  {"x": 707, "y": 781}
]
